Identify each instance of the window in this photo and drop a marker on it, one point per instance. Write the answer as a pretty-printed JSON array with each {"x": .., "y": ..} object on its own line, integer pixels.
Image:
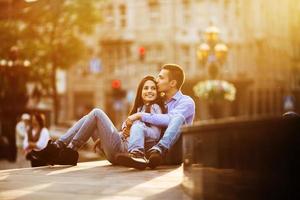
[
  {"x": 154, "y": 52},
  {"x": 186, "y": 12},
  {"x": 158, "y": 49},
  {"x": 123, "y": 21},
  {"x": 185, "y": 56},
  {"x": 154, "y": 12},
  {"x": 238, "y": 8},
  {"x": 109, "y": 15}
]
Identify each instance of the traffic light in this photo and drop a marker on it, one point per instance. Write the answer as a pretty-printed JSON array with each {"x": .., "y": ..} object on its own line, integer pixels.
[
  {"x": 116, "y": 84},
  {"x": 117, "y": 91},
  {"x": 142, "y": 53}
]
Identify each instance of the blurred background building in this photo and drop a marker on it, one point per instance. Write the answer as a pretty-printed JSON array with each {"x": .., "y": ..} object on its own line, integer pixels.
[
  {"x": 134, "y": 38},
  {"x": 137, "y": 37}
]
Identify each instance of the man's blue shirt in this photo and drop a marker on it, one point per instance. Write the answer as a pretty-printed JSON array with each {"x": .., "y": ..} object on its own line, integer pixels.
[{"x": 178, "y": 104}]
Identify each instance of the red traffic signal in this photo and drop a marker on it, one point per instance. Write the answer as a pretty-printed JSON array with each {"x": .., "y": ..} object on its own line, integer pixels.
[
  {"x": 117, "y": 92},
  {"x": 142, "y": 52},
  {"x": 116, "y": 84}
]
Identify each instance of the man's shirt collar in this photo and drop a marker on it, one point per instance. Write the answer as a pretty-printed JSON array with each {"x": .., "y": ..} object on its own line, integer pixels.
[{"x": 176, "y": 96}]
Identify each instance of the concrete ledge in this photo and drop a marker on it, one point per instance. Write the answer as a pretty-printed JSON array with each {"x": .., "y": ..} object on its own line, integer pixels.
[{"x": 242, "y": 158}]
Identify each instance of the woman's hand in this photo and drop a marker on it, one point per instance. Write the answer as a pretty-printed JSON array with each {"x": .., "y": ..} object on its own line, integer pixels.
[
  {"x": 126, "y": 131},
  {"x": 31, "y": 145},
  {"x": 126, "y": 128}
]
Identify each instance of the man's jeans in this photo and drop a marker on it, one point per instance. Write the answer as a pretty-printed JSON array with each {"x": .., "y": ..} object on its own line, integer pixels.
[
  {"x": 142, "y": 137},
  {"x": 96, "y": 124},
  {"x": 171, "y": 134}
]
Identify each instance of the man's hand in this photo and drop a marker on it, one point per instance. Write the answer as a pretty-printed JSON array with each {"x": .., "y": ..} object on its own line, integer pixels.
[
  {"x": 128, "y": 122},
  {"x": 135, "y": 116}
]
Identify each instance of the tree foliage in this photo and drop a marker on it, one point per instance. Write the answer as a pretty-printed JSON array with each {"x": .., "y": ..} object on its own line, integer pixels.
[
  {"x": 54, "y": 29},
  {"x": 50, "y": 32}
]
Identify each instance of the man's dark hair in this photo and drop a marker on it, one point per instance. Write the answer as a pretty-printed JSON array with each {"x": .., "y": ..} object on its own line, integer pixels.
[{"x": 175, "y": 73}]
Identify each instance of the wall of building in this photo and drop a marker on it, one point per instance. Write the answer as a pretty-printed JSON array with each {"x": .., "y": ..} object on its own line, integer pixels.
[{"x": 262, "y": 36}]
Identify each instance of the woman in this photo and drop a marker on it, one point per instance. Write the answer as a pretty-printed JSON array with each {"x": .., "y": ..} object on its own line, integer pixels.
[
  {"x": 143, "y": 135},
  {"x": 97, "y": 125},
  {"x": 36, "y": 138}
]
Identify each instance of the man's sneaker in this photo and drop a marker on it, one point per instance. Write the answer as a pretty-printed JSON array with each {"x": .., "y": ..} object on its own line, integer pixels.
[
  {"x": 67, "y": 156},
  {"x": 155, "y": 158},
  {"x": 135, "y": 160},
  {"x": 47, "y": 155}
]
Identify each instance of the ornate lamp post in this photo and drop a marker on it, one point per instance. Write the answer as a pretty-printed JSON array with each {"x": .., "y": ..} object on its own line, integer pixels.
[
  {"x": 13, "y": 96},
  {"x": 212, "y": 53}
]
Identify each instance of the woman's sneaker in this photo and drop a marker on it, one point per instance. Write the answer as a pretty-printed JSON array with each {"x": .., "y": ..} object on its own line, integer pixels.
[
  {"x": 35, "y": 162},
  {"x": 47, "y": 155},
  {"x": 67, "y": 156}
]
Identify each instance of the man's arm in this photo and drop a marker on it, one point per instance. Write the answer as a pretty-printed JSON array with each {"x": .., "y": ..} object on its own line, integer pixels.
[
  {"x": 156, "y": 119},
  {"x": 185, "y": 108},
  {"x": 155, "y": 112}
]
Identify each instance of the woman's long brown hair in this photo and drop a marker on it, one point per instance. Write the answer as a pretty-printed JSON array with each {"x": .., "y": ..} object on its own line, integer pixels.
[
  {"x": 41, "y": 121},
  {"x": 138, "y": 102}
]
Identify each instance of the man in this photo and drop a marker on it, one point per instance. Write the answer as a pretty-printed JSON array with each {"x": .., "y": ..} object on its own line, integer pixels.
[{"x": 181, "y": 110}]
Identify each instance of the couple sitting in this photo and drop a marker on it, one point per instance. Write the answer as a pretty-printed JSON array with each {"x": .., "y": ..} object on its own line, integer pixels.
[{"x": 141, "y": 142}]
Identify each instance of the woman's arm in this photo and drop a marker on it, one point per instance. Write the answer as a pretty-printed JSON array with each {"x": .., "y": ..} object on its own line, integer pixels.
[
  {"x": 31, "y": 145},
  {"x": 44, "y": 138}
]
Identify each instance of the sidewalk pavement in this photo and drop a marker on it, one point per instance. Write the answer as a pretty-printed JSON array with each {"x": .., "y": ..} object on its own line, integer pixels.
[
  {"x": 92, "y": 180},
  {"x": 85, "y": 153}
]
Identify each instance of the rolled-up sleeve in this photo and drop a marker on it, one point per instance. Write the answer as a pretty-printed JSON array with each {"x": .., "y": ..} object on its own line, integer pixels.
[
  {"x": 185, "y": 107},
  {"x": 156, "y": 119}
]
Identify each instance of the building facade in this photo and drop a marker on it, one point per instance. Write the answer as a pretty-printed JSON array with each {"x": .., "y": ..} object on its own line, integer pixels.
[{"x": 137, "y": 37}]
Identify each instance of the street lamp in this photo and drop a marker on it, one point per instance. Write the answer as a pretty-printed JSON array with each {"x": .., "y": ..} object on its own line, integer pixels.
[
  {"x": 13, "y": 60},
  {"x": 212, "y": 34},
  {"x": 212, "y": 52},
  {"x": 11, "y": 63}
]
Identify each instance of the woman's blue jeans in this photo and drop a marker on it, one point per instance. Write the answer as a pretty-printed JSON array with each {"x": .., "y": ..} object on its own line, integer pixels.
[{"x": 97, "y": 125}]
